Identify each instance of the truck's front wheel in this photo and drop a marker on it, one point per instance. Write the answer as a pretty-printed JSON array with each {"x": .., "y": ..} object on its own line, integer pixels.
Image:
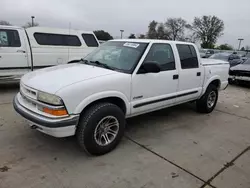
[
  {"x": 101, "y": 128},
  {"x": 208, "y": 101}
]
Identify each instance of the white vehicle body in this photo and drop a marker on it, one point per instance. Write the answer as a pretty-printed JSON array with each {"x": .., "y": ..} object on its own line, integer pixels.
[
  {"x": 135, "y": 93},
  {"x": 23, "y": 50}
]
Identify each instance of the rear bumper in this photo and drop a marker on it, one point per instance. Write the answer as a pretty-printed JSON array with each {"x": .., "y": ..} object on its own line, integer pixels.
[{"x": 59, "y": 127}]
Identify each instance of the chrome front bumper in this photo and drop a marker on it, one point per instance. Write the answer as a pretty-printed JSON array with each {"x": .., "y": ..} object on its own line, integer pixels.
[{"x": 57, "y": 127}]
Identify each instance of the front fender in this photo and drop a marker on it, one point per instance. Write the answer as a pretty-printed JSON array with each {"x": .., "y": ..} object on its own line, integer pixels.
[{"x": 97, "y": 96}]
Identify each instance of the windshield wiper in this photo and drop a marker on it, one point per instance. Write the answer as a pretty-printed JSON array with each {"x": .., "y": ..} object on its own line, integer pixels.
[
  {"x": 85, "y": 61},
  {"x": 102, "y": 65},
  {"x": 79, "y": 60}
]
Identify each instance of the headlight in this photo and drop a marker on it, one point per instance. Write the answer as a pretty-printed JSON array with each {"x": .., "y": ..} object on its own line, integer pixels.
[{"x": 49, "y": 98}]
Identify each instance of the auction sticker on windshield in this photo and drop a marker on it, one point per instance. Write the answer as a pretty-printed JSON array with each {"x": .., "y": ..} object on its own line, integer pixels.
[{"x": 132, "y": 45}]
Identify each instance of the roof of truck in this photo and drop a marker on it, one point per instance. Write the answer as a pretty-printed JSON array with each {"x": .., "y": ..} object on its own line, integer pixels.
[
  {"x": 55, "y": 30},
  {"x": 46, "y": 29},
  {"x": 153, "y": 41},
  {"x": 10, "y": 27}
]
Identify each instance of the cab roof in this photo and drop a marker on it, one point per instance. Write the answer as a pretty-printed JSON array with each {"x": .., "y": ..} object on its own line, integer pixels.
[
  {"x": 55, "y": 30},
  {"x": 152, "y": 41},
  {"x": 10, "y": 27}
]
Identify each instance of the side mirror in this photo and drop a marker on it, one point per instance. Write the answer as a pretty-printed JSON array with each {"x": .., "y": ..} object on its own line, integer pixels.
[{"x": 149, "y": 67}]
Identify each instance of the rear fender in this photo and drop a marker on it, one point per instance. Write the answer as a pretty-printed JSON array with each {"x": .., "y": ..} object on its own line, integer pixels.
[{"x": 208, "y": 82}]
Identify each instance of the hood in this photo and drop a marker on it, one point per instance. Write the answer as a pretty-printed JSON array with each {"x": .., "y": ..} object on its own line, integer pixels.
[
  {"x": 212, "y": 61},
  {"x": 241, "y": 67},
  {"x": 54, "y": 78}
]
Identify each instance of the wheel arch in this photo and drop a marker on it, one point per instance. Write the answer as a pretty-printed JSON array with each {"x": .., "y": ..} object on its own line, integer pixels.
[
  {"x": 215, "y": 81},
  {"x": 116, "y": 98}
]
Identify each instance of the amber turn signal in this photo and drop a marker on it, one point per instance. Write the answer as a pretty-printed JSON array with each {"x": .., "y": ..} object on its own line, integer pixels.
[{"x": 55, "y": 112}]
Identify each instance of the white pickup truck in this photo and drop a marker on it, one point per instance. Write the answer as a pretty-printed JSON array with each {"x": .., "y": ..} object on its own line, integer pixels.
[
  {"x": 122, "y": 78},
  {"x": 24, "y": 50}
]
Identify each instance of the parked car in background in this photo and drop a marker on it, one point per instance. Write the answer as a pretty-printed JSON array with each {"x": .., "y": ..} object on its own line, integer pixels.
[
  {"x": 120, "y": 79},
  {"x": 240, "y": 73},
  {"x": 23, "y": 50},
  {"x": 205, "y": 53},
  {"x": 233, "y": 58},
  {"x": 245, "y": 56}
]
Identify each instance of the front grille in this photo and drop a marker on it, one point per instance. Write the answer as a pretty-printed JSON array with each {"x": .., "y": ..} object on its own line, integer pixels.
[
  {"x": 26, "y": 91},
  {"x": 239, "y": 73},
  {"x": 27, "y": 100}
]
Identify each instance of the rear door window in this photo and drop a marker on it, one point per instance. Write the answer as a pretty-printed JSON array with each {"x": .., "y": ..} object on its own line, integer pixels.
[
  {"x": 90, "y": 40},
  {"x": 9, "y": 38},
  {"x": 188, "y": 56}
]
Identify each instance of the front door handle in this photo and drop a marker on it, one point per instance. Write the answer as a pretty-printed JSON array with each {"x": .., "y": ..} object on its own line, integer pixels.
[
  {"x": 175, "y": 77},
  {"x": 21, "y": 51}
]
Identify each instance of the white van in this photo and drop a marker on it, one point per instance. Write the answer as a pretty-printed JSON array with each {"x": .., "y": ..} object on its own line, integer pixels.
[{"x": 23, "y": 50}]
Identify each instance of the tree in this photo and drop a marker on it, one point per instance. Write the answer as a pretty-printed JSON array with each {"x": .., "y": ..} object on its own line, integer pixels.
[
  {"x": 29, "y": 24},
  {"x": 162, "y": 33},
  {"x": 141, "y": 36},
  {"x": 208, "y": 29},
  {"x": 152, "y": 33},
  {"x": 2, "y": 22},
  {"x": 225, "y": 47},
  {"x": 176, "y": 27},
  {"x": 132, "y": 36},
  {"x": 102, "y": 35},
  {"x": 242, "y": 49}
]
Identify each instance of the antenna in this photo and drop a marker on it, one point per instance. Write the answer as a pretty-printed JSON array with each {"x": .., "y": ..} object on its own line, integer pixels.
[{"x": 69, "y": 34}]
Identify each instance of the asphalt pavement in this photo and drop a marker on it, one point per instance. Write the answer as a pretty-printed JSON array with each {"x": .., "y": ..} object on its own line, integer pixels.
[{"x": 172, "y": 148}]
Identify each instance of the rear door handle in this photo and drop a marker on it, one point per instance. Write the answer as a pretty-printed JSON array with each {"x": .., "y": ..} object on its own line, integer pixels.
[
  {"x": 198, "y": 73},
  {"x": 175, "y": 77}
]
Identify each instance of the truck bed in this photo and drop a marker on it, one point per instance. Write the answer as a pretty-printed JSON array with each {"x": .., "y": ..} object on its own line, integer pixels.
[{"x": 205, "y": 62}]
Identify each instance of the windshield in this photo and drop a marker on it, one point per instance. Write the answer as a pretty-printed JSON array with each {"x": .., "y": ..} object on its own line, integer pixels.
[
  {"x": 203, "y": 51},
  {"x": 119, "y": 55},
  {"x": 220, "y": 56}
]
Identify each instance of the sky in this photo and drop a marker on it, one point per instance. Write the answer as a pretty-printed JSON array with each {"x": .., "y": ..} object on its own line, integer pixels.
[{"x": 133, "y": 16}]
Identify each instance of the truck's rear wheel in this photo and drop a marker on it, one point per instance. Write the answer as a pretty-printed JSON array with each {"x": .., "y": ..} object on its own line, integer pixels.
[
  {"x": 208, "y": 101},
  {"x": 101, "y": 128}
]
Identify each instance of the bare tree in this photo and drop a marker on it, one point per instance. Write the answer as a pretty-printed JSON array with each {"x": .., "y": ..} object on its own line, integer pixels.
[
  {"x": 103, "y": 35},
  {"x": 152, "y": 33},
  {"x": 208, "y": 29},
  {"x": 3, "y": 22},
  {"x": 176, "y": 27},
  {"x": 162, "y": 33}
]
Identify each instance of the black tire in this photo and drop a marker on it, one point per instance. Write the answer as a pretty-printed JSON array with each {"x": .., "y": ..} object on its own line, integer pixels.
[
  {"x": 202, "y": 103},
  {"x": 89, "y": 122}
]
